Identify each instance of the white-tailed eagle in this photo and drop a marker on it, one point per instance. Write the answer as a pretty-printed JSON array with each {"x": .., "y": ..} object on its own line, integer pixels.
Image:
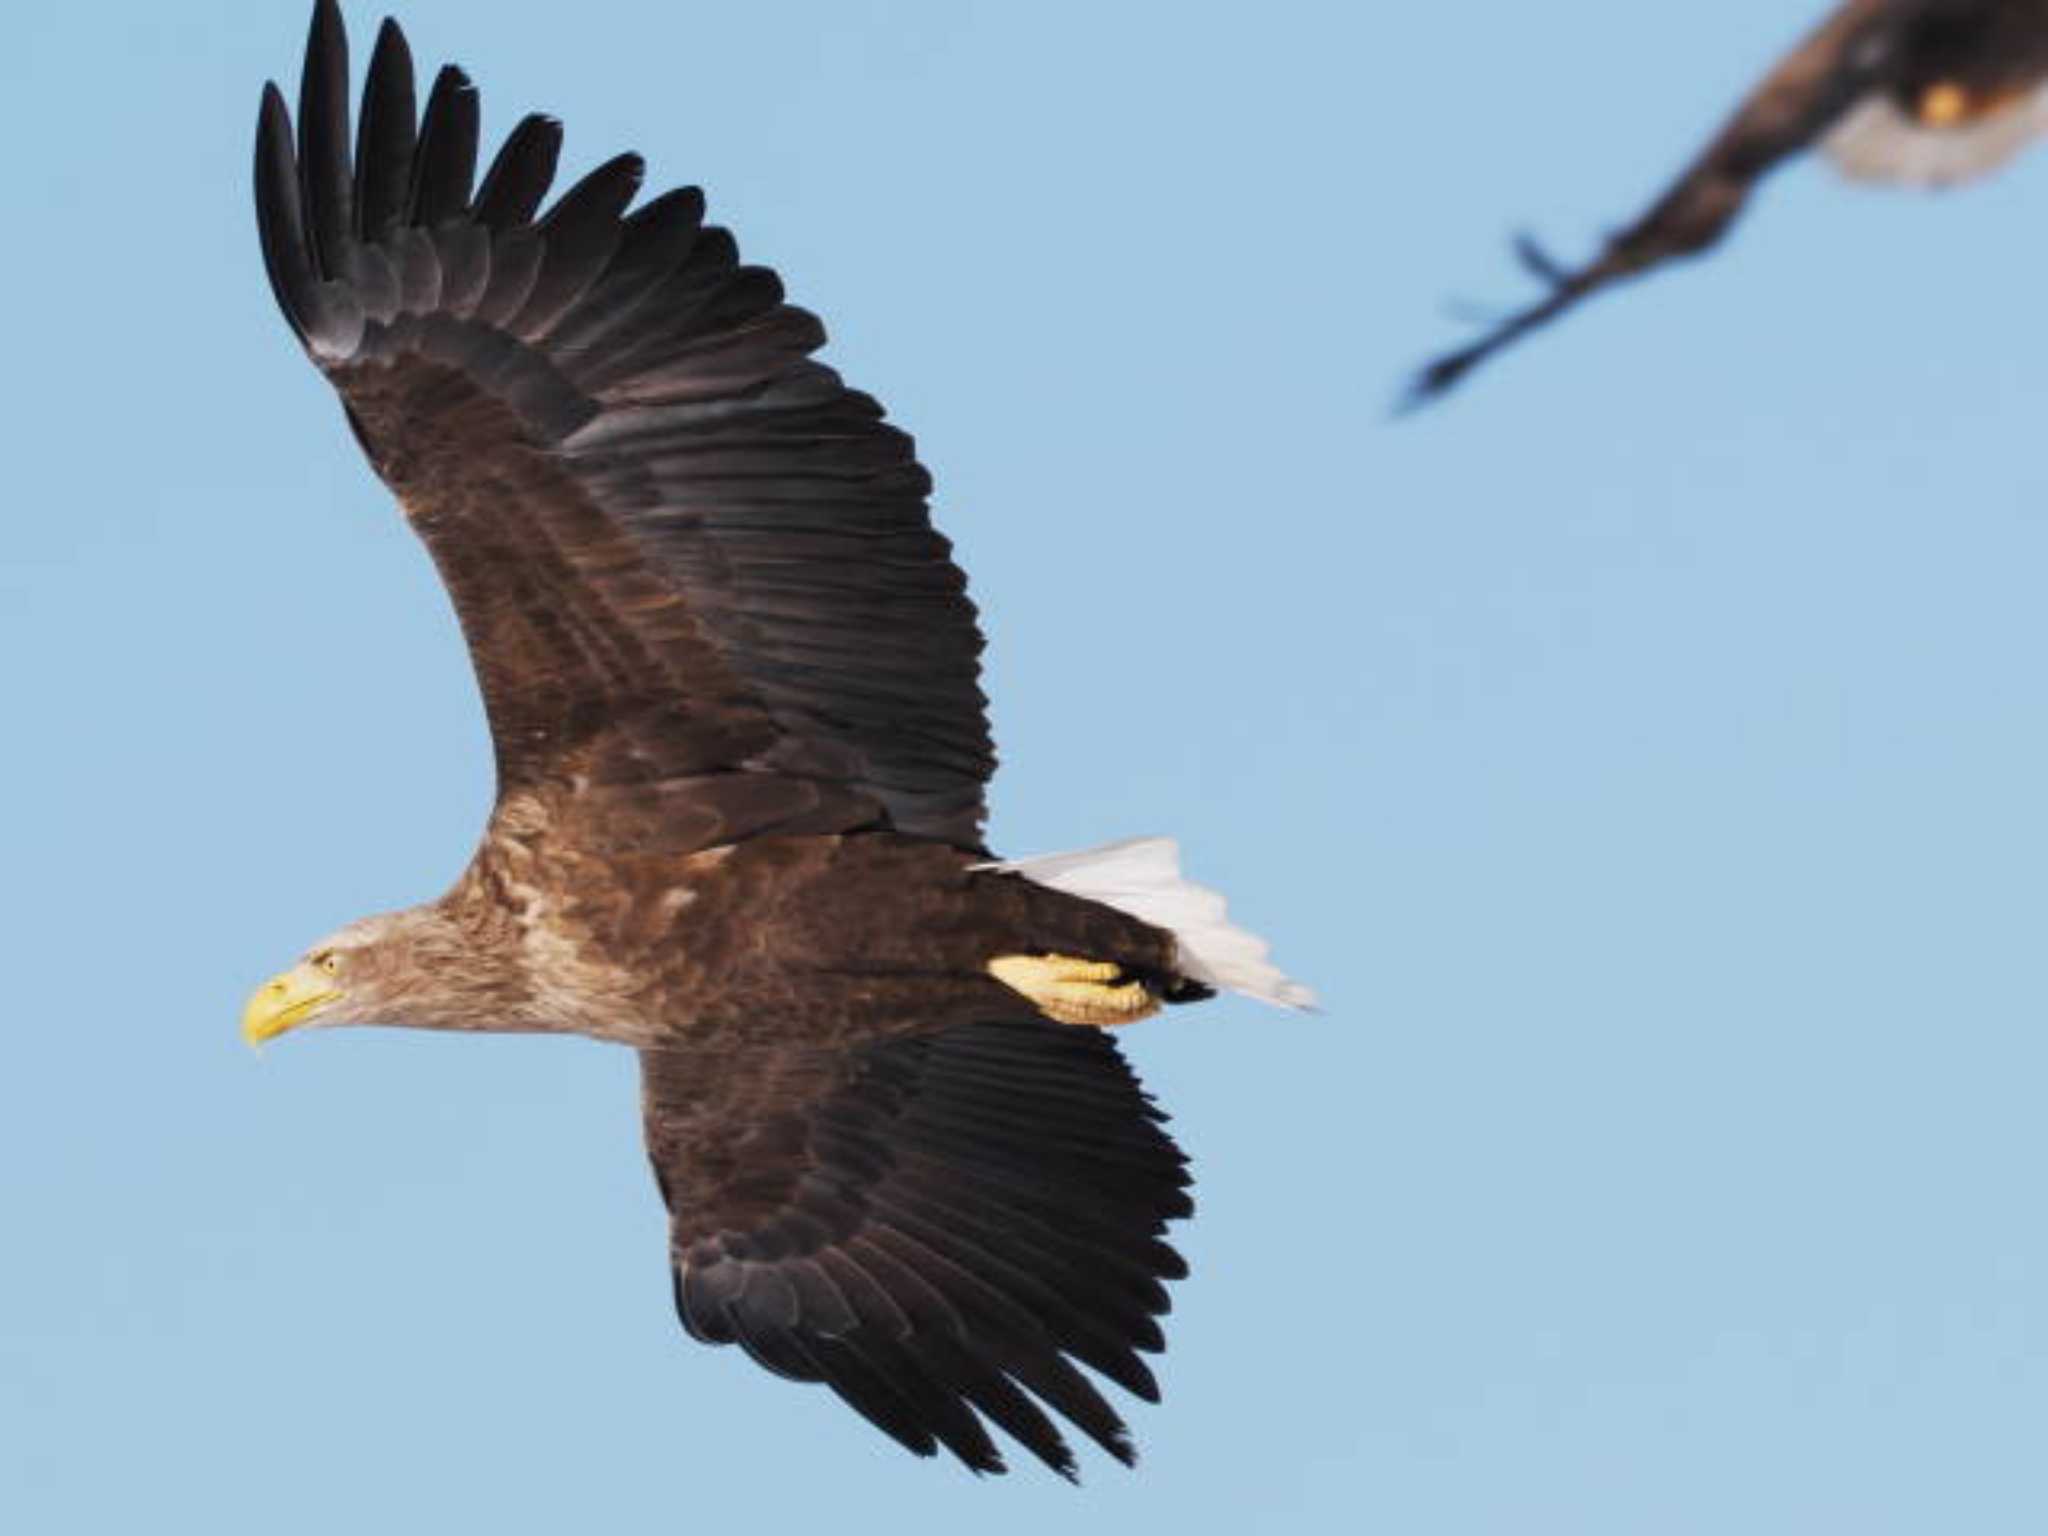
[{"x": 731, "y": 675}]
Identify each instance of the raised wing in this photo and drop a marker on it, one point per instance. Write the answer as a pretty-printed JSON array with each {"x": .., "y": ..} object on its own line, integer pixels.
[
  {"x": 931, "y": 1226},
  {"x": 1855, "y": 48},
  {"x": 683, "y": 553}
]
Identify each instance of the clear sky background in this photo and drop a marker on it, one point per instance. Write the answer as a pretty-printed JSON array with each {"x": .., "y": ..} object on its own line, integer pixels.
[{"x": 1642, "y": 753}]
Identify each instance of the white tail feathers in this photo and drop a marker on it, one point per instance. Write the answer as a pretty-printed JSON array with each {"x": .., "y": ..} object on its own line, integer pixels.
[
  {"x": 1877, "y": 141},
  {"x": 1141, "y": 876}
]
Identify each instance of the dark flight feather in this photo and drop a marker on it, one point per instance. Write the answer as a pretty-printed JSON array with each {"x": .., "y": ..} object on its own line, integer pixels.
[
  {"x": 384, "y": 158},
  {"x": 323, "y": 142},
  {"x": 444, "y": 164},
  {"x": 520, "y": 175}
]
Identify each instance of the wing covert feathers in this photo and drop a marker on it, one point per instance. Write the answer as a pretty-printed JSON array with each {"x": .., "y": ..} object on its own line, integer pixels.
[{"x": 616, "y": 389}]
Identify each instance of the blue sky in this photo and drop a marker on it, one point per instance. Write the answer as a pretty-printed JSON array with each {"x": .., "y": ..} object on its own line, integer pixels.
[{"x": 1641, "y": 753}]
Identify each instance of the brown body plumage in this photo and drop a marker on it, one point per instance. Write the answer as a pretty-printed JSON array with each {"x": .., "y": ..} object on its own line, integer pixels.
[
  {"x": 861, "y": 937},
  {"x": 731, "y": 674},
  {"x": 1914, "y": 90}
]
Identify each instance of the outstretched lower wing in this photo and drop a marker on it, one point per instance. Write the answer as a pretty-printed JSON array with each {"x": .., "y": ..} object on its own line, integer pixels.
[
  {"x": 684, "y": 554},
  {"x": 936, "y": 1227},
  {"x": 1811, "y": 87}
]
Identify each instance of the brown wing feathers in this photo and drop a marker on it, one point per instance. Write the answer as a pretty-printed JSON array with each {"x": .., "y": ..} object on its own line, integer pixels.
[
  {"x": 735, "y": 531},
  {"x": 930, "y": 1226}
]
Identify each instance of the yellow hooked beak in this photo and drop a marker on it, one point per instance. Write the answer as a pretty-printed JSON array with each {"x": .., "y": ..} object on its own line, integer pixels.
[{"x": 286, "y": 1001}]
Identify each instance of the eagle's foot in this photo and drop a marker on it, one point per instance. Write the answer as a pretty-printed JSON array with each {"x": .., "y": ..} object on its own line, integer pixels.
[{"x": 1075, "y": 991}]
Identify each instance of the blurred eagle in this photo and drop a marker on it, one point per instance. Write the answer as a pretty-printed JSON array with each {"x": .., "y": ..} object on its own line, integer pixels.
[
  {"x": 731, "y": 674},
  {"x": 1924, "y": 92}
]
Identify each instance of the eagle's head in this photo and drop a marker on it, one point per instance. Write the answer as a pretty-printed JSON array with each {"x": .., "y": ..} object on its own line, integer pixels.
[{"x": 360, "y": 974}]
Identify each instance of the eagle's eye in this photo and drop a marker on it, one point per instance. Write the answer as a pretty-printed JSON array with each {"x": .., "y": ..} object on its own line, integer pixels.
[{"x": 329, "y": 962}]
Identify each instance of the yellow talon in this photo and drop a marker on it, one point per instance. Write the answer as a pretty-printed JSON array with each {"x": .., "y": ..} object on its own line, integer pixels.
[{"x": 1075, "y": 991}]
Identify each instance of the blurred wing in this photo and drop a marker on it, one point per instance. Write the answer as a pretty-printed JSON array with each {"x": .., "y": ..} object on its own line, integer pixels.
[
  {"x": 931, "y": 1226},
  {"x": 1810, "y": 88},
  {"x": 682, "y": 552}
]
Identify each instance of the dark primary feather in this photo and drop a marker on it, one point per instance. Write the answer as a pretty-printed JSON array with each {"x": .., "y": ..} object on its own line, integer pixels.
[
  {"x": 520, "y": 176},
  {"x": 935, "y": 1227},
  {"x": 323, "y": 141},
  {"x": 1862, "y": 47},
  {"x": 444, "y": 162},
  {"x": 683, "y": 552},
  {"x": 384, "y": 158}
]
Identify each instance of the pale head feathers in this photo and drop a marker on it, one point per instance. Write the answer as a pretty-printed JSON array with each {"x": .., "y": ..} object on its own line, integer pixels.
[{"x": 418, "y": 967}]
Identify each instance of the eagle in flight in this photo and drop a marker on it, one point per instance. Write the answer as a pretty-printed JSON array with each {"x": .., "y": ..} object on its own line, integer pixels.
[
  {"x": 731, "y": 675},
  {"x": 1924, "y": 92}
]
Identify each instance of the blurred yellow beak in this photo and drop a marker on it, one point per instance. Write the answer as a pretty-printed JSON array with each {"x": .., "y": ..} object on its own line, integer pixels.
[{"x": 286, "y": 1001}]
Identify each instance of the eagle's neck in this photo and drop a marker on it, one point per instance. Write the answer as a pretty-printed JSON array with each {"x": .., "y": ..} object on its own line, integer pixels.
[
  {"x": 438, "y": 967},
  {"x": 504, "y": 951}
]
